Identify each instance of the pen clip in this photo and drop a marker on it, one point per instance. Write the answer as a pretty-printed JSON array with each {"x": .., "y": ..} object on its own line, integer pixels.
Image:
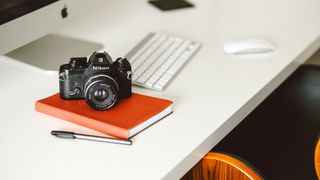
[{"x": 63, "y": 134}]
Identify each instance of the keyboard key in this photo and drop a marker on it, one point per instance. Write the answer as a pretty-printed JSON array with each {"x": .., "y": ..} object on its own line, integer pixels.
[
  {"x": 152, "y": 58},
  {"x": 155, "y": 66},
  {"x": 144, "y": 47},
  {"x": 135, "y": 65}
]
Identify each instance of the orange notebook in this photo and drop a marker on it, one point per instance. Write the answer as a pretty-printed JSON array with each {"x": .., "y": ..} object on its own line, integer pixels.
[{"x": 129, "y": 117}]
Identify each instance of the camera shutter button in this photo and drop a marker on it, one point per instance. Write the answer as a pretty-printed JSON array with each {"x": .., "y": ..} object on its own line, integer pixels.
[{"x": 74, "y": 92}]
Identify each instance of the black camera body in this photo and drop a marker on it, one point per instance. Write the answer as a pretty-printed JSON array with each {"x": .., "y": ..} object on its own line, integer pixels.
[{"x": 101, "y": 82}]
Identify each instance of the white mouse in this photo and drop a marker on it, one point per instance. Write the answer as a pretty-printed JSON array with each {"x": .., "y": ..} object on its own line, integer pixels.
[{"x": 248, "y": 46}]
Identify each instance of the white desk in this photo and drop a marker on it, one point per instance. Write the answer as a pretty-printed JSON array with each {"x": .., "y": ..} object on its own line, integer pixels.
[{"x": 212, "y": 94}]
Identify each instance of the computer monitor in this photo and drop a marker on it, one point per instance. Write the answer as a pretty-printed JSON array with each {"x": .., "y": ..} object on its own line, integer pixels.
[{"x": 23, "y": 21}]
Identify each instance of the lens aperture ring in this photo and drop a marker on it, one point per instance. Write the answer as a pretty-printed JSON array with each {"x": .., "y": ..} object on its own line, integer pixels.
[{"x": 91, "y": 79}]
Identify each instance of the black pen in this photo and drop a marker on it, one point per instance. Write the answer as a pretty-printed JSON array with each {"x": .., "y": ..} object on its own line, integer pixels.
[{"x": 72, "y": 135}]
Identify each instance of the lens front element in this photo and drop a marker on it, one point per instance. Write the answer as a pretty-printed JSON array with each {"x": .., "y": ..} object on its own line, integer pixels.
[{"x": 100, "y": 94}]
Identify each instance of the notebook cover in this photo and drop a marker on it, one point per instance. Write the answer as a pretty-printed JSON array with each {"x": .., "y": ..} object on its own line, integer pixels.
[{"x": 117, "y": 121}]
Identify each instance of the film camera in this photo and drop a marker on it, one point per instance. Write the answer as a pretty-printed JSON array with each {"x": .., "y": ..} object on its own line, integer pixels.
[{"x": 98, "y": 80}]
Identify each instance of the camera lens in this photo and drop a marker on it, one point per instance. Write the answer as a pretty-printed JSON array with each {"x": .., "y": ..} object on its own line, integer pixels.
[{"x": 101, "y": 92}]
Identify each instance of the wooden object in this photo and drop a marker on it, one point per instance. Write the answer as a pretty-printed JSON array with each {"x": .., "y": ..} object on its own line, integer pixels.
[
  {"x": 218, "y": 166},
  {"x": 317, "y": 158}
]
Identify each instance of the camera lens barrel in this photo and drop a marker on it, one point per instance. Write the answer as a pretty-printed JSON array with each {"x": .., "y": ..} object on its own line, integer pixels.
[{"x": 101, "y": 92}]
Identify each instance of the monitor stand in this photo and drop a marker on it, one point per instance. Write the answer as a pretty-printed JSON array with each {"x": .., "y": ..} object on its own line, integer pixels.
[{"x": 49, "y": 52}]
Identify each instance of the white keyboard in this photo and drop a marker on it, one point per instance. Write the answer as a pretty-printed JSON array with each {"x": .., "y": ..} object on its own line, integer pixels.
[{"x": 157, "y": 59}]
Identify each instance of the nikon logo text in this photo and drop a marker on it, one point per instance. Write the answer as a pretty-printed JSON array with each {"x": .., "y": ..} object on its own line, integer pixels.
[{"x": 97, "y": 68}]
